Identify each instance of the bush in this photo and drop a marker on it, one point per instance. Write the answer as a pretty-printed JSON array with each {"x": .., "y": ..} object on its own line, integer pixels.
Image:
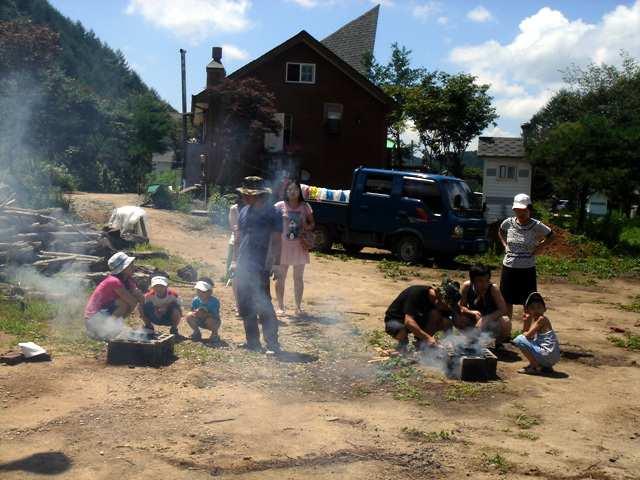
[
  {"x": 168, "y": 177},
  {"x": 218, "y": 207},
  {"x": 629, "y": 240}
]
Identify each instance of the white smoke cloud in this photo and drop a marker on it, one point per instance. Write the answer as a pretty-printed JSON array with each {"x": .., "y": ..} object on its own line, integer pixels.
[
  {"x": 232, "y": 52},
  {"x": 194, "y": 20}
]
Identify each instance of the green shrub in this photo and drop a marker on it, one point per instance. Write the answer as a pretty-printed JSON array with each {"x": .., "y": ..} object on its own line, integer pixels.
[
  {"x": 167, "y": 177},
  {"x": 218, "y": 206},
  {"x": 629, "y": 240}
]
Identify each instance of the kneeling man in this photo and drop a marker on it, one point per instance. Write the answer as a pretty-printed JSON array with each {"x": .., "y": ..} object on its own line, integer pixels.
[
  {"x": 422, "y": 310},
  {"x": 482, "y": 305}
]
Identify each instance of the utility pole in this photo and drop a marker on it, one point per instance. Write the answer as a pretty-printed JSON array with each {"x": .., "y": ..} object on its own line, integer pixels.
[{"x": 184, "y": 112}]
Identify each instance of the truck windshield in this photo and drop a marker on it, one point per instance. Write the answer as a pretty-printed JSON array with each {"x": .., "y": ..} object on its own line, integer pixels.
[{"x": 462, "y": 200}]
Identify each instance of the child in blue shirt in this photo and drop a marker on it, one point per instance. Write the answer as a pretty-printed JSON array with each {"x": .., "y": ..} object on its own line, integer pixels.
[{"x": 205, "y": 312}]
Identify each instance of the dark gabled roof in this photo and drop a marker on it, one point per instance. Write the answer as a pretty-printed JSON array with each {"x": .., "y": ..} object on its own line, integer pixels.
[
  {"x": 355, "y": 39},
  {"x": 326, "y": 53},
  {"x": 500, "y": 147}
]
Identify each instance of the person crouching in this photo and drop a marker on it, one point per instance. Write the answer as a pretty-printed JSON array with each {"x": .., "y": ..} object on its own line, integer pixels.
[
  {"x": 161, "y": 306},
  {"x": 538, "y": 342},
  {"x": 114, "y": 299},
  {"x": 205, "y": 312}
]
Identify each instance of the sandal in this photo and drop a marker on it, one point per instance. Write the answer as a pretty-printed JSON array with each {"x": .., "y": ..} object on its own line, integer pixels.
[{"x": 530, "y": 370}]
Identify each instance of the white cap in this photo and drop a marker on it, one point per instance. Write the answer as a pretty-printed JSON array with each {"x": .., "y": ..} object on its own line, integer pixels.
[
  {"x": 159, "y": 280},
  {"x": 203, "y": 286},
  {"x": 521, "y": 200},
  {"x": 119, "y": 261}
]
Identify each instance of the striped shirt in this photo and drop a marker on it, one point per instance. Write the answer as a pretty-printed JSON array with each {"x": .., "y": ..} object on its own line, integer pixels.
[{"x": 522, "y": 241}]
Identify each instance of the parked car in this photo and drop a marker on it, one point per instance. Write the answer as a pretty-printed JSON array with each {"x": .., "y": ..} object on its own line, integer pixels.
[{"x": 411, "y": 214}]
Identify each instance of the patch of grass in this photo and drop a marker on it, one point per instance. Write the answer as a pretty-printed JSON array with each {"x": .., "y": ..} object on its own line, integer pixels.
[
  {"x": 628, "y": 341},
  {"x": 379, "y": 338},
  {"x": 524, "y": 421},
  {"x": 397, "y": 270},
  {"x": 634, "y": 306},
  {"x": 497, "y": 462},
  {"x": 462, "y": 391},
  {"x": 27, "y": 319},
  {"x": 601, "y": 268},
  {"x": 491, "y": 259},
  {"x": 528, "y": 436},
  {"x": 422, "y": 436},
  {"x": 404, "y": 379},
  {"x": 198, "y": 352}
]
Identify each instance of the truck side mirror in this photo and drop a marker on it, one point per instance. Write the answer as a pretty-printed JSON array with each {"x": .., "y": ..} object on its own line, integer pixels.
[{"x": 457, "y": 202}]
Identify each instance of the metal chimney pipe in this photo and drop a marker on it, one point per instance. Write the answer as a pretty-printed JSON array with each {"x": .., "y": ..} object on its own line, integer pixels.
[{"x": 216, "y": 54}]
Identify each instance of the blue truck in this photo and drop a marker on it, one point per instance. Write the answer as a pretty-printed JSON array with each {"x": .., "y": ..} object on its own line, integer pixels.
[{"x": 414, "y": 215}]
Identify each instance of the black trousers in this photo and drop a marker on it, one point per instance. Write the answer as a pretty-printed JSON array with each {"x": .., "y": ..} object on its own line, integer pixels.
[{"x": 255, "y": 307}]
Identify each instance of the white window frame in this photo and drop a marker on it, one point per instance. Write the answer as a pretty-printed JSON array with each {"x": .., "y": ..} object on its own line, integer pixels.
[
  {"x": 286, "y": 73},
  {"x": 506, "y": 178}
]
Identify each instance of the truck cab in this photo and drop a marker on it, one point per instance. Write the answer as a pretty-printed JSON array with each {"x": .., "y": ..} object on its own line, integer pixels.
[{"x": 412, "y": 214}]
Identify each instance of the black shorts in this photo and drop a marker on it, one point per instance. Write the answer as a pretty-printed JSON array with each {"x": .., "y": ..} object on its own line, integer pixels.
[
  {"x": 393, "y": 327},
  {"x": 517, "y": 283}
]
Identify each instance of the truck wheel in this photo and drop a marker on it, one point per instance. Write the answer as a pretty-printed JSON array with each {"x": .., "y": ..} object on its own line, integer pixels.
[
  {"x": 322, "y": 239},
  {"x": 409, "y": 249},
  {"x": 352, "y": 248}
]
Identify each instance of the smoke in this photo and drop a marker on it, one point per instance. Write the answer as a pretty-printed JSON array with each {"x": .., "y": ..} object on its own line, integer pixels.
[{"x": 470, "y": 342}]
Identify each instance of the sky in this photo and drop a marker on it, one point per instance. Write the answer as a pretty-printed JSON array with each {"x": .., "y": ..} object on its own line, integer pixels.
[{"x": 519, "y": 47}]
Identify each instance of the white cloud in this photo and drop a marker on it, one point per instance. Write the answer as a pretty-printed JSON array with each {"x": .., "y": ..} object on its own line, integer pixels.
[
  {"x": 384, "y": 3},
  {"x": 526, "y": 71},
  {"x": 442, "y": 20},
  {"x": 424, "y": 11},
  {"x": 479, "y": 14},
  {"x": 194, "y": 20},
  {"x": 313, "y": 3},
  {"x": 234, "y": 53}
]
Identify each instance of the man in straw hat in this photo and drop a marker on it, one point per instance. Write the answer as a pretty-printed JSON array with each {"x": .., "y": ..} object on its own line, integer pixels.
[
  {"x": 256, "y": 247},
  {"x": 113, "y": 299}
]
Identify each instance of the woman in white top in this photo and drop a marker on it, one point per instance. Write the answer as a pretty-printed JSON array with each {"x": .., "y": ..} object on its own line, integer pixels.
[{"x": 521, "y": 237}]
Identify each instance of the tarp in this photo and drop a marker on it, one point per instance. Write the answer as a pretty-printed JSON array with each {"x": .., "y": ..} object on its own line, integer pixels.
[{"x": 127, "y": 219}]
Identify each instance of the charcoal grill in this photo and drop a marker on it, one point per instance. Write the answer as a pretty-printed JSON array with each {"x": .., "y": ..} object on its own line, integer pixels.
[
  {"x": 141, "y": 349},
  {"x": 471, "y": 365}
]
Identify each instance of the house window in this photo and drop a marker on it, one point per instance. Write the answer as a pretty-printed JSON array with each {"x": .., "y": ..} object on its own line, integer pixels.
[
  {"x": 333, "y": 117},
  {"x": 378, "y": 184},
  {"x": 507, "y": 172},
  {"x": 301, "y": 72},
  {"x": 287, "y": 130}
]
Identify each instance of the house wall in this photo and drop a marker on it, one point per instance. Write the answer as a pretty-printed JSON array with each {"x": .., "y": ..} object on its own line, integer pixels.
[
  {"x": 499, "y": 192},
  {"x": 330, "y": 158}
]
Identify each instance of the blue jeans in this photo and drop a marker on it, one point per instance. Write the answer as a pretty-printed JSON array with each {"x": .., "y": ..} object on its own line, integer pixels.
[
  {"x": 543, "y": 357},
  {"x": 149, "y": 311}
]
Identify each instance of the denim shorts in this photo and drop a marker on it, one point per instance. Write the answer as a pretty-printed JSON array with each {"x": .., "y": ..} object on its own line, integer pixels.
[{"x": 543, "y": 357}]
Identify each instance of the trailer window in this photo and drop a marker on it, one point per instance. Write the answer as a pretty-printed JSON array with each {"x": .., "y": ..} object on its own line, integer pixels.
[
  {"x": 427, "y": 192},
  {"x": 378, "y": 184}
]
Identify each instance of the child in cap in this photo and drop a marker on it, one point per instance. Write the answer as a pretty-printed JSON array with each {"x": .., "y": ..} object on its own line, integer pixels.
[
  {"x": 161, "y": 305},
  {"x": 205, "y": 311},
  {"x": 113, "y": 299},
  {"x": 539, "y": 343}
]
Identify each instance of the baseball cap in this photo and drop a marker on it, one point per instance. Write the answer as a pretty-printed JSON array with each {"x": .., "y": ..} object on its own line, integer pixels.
[
  {"x": 159, "y": 280},
  {"x": 119, "y": 261},
  {"x": 521, "y": 200},
  {"x": 203, "y": 286}
]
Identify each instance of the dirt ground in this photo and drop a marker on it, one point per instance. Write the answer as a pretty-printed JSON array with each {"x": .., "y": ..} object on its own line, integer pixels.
[{"x": 325, "y": 411}]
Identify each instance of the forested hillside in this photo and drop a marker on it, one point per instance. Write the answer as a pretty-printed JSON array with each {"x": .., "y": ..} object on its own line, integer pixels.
[{"x": 72, "y": 112}]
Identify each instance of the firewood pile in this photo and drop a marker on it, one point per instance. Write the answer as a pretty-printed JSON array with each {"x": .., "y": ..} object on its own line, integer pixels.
[{"x": 46, "y": 240}]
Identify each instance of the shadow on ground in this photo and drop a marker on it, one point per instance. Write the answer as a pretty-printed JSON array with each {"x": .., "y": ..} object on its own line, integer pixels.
[{"x": 47, "y": 463}]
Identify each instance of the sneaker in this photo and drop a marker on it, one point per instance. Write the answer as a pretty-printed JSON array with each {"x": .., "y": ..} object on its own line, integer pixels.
[
  {"x": 214, "y": 340},
  {"x": 173, "y": 330},
  {"x": 252, "y": 347},
  {"x": 196, "y": 336},
  {"x": 273, "y": 350}
]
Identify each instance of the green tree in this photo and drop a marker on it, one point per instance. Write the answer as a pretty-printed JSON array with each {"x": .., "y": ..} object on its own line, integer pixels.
[
  {"x": 587, "y": 137},
  {"x": 448, "y": 111},
  {"x": 397, "y": 78}
]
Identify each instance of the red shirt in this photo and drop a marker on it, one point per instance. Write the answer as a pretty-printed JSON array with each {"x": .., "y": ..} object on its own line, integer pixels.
[
  {"x": 161, "y": 303},
  {"x": 105, "y": 294}
]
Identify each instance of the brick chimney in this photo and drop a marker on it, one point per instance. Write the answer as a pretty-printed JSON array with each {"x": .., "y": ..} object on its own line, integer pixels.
[{"x": 215, "y": 69}]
